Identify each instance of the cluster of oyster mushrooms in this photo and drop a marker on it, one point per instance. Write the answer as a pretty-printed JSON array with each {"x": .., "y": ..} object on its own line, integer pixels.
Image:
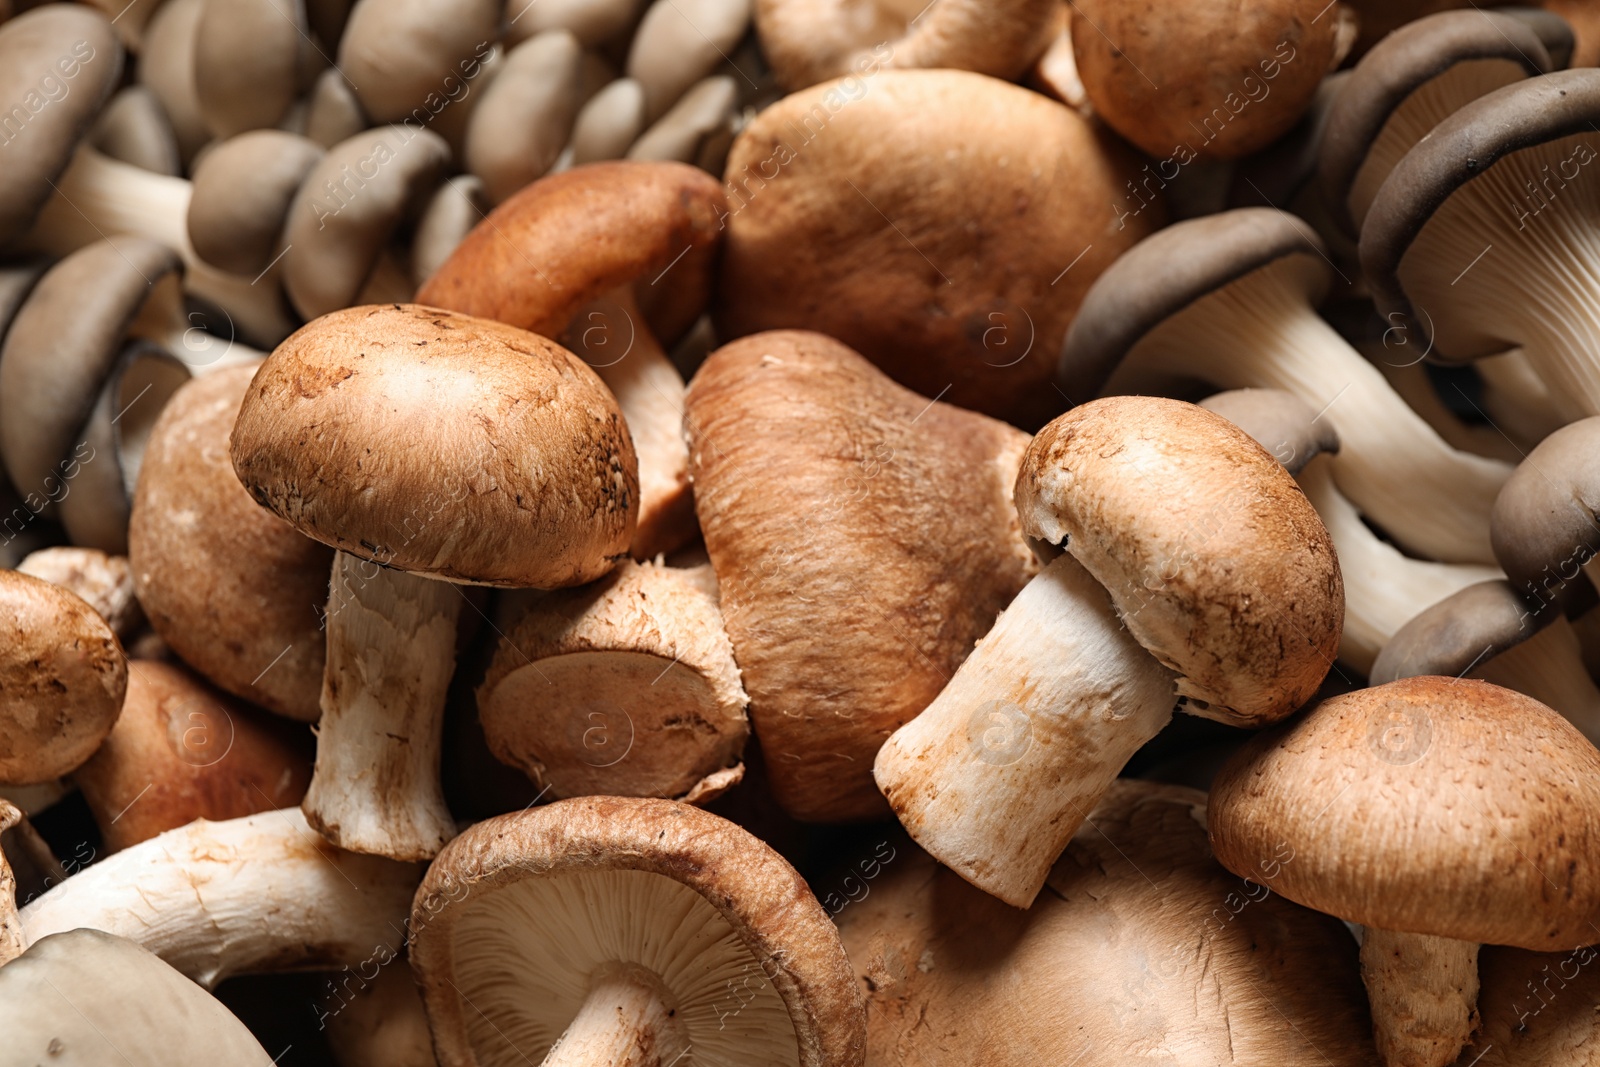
[{"x": 678, "y": 532}]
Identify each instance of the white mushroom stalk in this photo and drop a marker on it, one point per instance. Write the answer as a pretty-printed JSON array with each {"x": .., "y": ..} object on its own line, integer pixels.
[
  {"x": 1516, "y": 400},
  {"x": 214, "y": 899},
  {"x": 1424, "y": 994},
  {"x": 12, "y": 941}
]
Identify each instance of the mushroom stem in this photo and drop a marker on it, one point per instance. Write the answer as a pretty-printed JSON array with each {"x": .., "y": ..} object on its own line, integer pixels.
[
  {"x": 1549, "y": 667},
  {"x": 391, "y": 652},
  {"x": 624, "y": 1022},
  {"x": 1262, "y": 331},
  {"x": 1516, "y": 399},
  {"x": 1424, "y": 995},
  {"x": 12, "y": 941},
  {"x": 998, "y": 773}
]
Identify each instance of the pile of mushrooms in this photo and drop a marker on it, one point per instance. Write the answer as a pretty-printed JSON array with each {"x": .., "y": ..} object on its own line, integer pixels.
[{"x": 656, "y": 533}]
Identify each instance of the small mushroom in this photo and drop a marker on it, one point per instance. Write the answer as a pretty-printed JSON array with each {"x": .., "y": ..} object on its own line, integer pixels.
[
  {"x": 626, "y": 687},
  {"x": 1279, "y": 422},
  {"x": 242, "y": 192},
  {"x": 333, "y": 113},
  {"x": 134, "y": 129},
  {"x": 611, "y": 930},
  {"x": 166, "y": 68},
  {"x": 457, "y": 206},
  {"x": 12, "y": 942},
  {"x": 679, "y": 42},
  {"x": 103, "y": 582},
  {"x": 401, "y": 56},
  {"x": 250, "y": 61},
  {"x": 592, "y": 22},
  {"x": 525, "y": 116},
  {"x": 1544, "y": 525},
  {"x": 702, "y": 116},
  {"x": 610, "y": 122}
]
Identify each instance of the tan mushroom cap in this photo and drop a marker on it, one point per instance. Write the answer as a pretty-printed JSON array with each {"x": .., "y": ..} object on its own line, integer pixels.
[
  {"x": 718, "y": 879},
  {"x": 1279, "y": 422},
  {"x": 1212, "y": 555},
  {"x": 243, "y": 189},
  {"x": 134, "y": 128},
  {"x": 104, "y": 582},
  {"x": 58, "y": 64},
  {"x": 943, "y": 224},
  {"x": 166, "y": 67},
  {"x": 1429, "y": 805},
  {"x": 398, "y": 53},
  {"x": 453, "y": 447},
  {"x": 1458, "y": 633},
  {"x": 525, "y": 115},
  {"x": 863, "y": 537},
  {"x": 1164, "y": 956},
  {"x": 1544, "y": 526},
  {"x": 250, "y": 57},
  {"x": 62, "y": 676}
]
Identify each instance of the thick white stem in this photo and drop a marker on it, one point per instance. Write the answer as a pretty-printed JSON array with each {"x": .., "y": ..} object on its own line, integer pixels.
[
  {"x": 996, "y": 775},
  {"x": 625, "y": 1021},
  {"x": 1516, "y": 400},
  {"x": 1411, "y": 381},
  {"x": 391, "y": 652},
  {"x": 1424, "y": 996},
  {"x": 1549, "y": 667}
]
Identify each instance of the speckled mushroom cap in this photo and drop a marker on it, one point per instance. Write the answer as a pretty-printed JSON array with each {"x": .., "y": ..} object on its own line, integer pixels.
[
  {"x": 1279, "y": 422},
  {"x": 1165, "y": 273},
  {"x": 449, "y": 446},
  {"x": 1212, "y": 555},
  {"x": 1140, "y": 929},
  {"x": 515, "y": 910},
  {"x": 231, "y": 588},
  {"x": 569, "y": 239},
  {"x": 58, "y": 64},
  {"x": 943, "y": 224},
  {"x": 242, "y": 191},
  {"x": 62, "y": 679},
  {"x": 1458, "y": 633},
  {"x": 1543, "y": 527},
  {"x": 1428, "y": 805},
  {"x": 1400, "y": 65}
]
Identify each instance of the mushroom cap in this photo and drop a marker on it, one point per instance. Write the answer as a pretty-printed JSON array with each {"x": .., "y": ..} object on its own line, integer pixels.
[
  {"x": 962, "y": 275},
  {"x": 396, "y": 54},
  {"x": 525, "y": 115},
  {"x": 1538, "y": 1008},
  {"x": 851, "y": 586},
  {"x": 1458, "y": 633},
  {"x": 1165, "y": 273},
  {"x": 62, "y": 679},
  {"x": 231, "y": 588},
  {"x": 182, "y": 751},
  {"x": 1559, "y": 37},
  {"x": 516, "y": 911},
  {"x": 1544, "y": 520},
  {"x": 1279, "y": 422},
  {"x": 568, "y": 239},
  {"x": 1212, "y": 555},
  {"x": 1398, "y": 66},
  {"x": 104, "y": 582},
  {"x": 85, "y": 998},
  {"x": 242, "y": 192},
  {"x": 1142, "y": 931},
  {"x": 135, "y": 129},
  {"x": 166, "y": 67},
  {"x": 58, "y": 64},
  {"x": 1521, "y": 115},
  {"x": 247, "y": 60},
  {"x": 449, "y": 446},
  {"x": 1429, "y": 805}
]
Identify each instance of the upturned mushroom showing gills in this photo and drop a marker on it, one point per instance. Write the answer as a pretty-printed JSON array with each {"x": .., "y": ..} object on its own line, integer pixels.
[
  {"x": 1438, "y": 813},
  {"x": 850, "y": 586},
  {"x": 1486, "y": 236},
  {"x": 1230, "y": 300},
  {"x": 604, "y": 930},
  {"x": 428, "y": 448},
  {"x": 1195, "y": 574}
]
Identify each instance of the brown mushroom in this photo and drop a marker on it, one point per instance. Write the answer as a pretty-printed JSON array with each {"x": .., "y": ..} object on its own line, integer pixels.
[{"x": 103, "y": 582}]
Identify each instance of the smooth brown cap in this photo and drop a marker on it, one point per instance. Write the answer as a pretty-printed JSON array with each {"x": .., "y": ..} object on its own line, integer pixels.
[
  {"x": 1554, "y": 32},
  {"x": 242, "y": 192},
  {"x": 1279, "y": 422},
  {"x": 248, "y": 60},
  {"x": 1544, "y": 525},
  {"x": 400, "y": 56},
  {"x": 1212, "y": 555},
  {"x": 764, "y": 901},
  {"x": 864, "y": 539},
  {"x": 62, "y": 679},
  {"x": 454, "y": 447},
  {"x": 1460, "y": 632},
  {"x": 1429, "y": 805},
  {"x": 1165, "y": 273}
]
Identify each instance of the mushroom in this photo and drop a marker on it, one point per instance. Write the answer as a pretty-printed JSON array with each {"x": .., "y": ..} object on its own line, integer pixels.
[
  {"x": 103, "y": 582},
  {"x": 1480, "y": 238},
  {"x": 1230, "y": 299},
  {"x": 234, "y": 590},
  {"x": 1586, "y": 28},
  {"x": 1172, "y": 960},
  {"x": 333, "y": 113},
  {"x": 403, "y": 56},
  {"x": 166, "y": 68},
  {"x": 251, "y": 58},
  {"x": 382, "y": 1025},
  {"x": 196, "y": 896},
  {"x": 519, "y": 127},
  {"x": 616, "y": 260},
  {"x": 428, "y": 448},
  {"x": 242, "y": 193},
  {"x": 959, "y": 281},
  {"x": 626, "y": 687},
  {"x": 1544, "y": 525},
  {"x": 593, "y": 22},
  {"x": 62, "y": 679},
  {"x": 1234, "y": 77},
  {"x": 1438, "y": 813},
  {"x": 12, "y": 942},
  {"x": 610, "y": 122},
  {"x": 83, "y": 997},
  {"x": 182, "y": 751},
  {"x": 611, "y": 930},
  {"x": 808, "y": 41},
  {"x": 134, "y": 129},
  {"x": 679, "y": 42},
  {"x": 698, "y": 129},
  {"x": 1225, "y": 601},
  {"x": 851, "y": 588},
  {"x": 1538, "y": 1008},
  {"x": 1279, "y": 422},
  {"x": 1411, "y": 81},
  {"x": 457, "y": 206}
]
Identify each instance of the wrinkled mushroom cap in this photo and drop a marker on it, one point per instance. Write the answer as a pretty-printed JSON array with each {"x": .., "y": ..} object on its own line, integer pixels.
[
  {"x": 62, "y": 679},
  {"x": 514, "y": 912},
  {"x": 1428, "y": 805},
  {"x": 242, "y": 192},
  {"x": 1462, "y": 631},
  {"x": 1544, "y": 525},
  {"x": 453, "y": 447},
  {"x": 1212, "y": 555},
  {"x": 1279, "y": 422}
]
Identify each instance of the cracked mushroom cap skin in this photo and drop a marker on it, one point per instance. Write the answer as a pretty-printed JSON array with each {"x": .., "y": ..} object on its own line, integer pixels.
[
  {"x": 1160, "y": 937},
  {"x": 1212, "y": 555},
  {"x": 62, "y": 679},
  {"x": 972, "y": 283},
  {"x": 1454, "y": 808},
  {"x": 851, "y": 587},
  {"x": 599, "y": 869},
  {"x": 1543, "y": 526},
  {"x": 449, "y": 446},
  {"x": 58, "y": 65}
]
